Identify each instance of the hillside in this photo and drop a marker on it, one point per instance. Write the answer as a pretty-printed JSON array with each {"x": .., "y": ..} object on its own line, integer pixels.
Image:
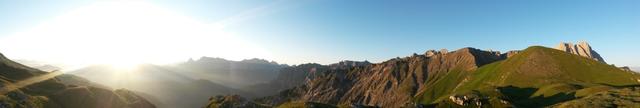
[
  {"x": 26, "y": 87},
  {"x": 538, "y": 76}
]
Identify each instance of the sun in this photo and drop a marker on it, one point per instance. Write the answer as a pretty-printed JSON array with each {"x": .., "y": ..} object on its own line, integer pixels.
[
  {"x": 125, "y": 34},
  {"x": 124, "y": 65}
]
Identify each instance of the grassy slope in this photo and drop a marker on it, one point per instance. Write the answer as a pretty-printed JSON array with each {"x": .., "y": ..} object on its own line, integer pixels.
[
  {"x": 539, "y": 73},
  {"x": 550, "y": 67},
  {"x": 441, "y": 86}
]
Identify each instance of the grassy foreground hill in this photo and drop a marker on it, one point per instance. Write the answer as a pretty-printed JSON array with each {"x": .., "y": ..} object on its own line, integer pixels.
[
  {"x": 25, "y": 87},
  {"x": 536, "y": 77}
]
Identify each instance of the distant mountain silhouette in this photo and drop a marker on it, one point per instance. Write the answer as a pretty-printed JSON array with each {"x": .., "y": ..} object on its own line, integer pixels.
[
  {"x": 39, "y": 65},
  {"x": 166, "y": 88},
  {"x": 234, "y": 74}
]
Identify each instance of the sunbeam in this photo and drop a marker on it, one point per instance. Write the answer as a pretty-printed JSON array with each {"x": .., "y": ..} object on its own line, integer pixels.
[{"x": 29, "y": 81}]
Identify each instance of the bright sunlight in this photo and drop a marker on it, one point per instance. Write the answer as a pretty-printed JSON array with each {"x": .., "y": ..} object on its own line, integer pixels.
[{"x": 125, "y": 34}]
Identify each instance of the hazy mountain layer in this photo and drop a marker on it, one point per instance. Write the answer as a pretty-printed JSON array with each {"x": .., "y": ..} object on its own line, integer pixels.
[
  {"x": 293, "y": 76},
  {"x": 38, "y": 65},
  {"x": 164, "y": 87},
  {"x": 235, "y": 74}
]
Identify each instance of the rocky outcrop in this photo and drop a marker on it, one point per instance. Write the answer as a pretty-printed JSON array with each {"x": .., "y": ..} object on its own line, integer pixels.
[
  {"x": 510, "y": 53},
  {"x": 348, "y": 63},
  {"x": 582, "y": 49}
]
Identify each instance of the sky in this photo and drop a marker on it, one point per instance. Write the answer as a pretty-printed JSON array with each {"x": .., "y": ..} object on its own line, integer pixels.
[{"x": 303, "y": 31}]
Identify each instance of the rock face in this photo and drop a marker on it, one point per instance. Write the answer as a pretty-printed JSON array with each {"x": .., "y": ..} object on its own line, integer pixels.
[{"x": 582, "y": 49}]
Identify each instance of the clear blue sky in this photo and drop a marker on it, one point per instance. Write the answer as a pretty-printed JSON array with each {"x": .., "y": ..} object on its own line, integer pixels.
[{"x": 327, "y": 31}]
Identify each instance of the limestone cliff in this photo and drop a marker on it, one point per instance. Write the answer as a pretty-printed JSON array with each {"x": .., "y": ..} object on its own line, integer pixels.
[{"x": 582, "y": 49}]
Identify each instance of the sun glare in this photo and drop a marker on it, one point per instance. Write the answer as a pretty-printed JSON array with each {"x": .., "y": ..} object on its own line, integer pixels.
[{"x": 126, "y": 33}]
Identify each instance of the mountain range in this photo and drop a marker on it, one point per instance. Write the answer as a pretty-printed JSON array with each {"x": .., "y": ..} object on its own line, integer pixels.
[
  {"x": 188, "y": 84},
  {"x": 533, "y": 77},
  {"x": 234, "y": 74},
  {"x": 569, "y": 75}
]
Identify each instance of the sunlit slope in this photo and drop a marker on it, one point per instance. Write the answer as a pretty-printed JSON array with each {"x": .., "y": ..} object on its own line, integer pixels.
[
  {"x": 540, "y": 66},
  {"x": 538, "y": 76},
  {"x": 25, "y": 87}
]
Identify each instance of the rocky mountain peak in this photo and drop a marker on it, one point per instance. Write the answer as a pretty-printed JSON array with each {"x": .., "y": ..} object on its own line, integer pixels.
[
  {"x": 582, "y": 48},
  {"x": 510, "y": 53},
  {"x": 348, "y": 63},
  {"x": 430, "y": 53}
]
